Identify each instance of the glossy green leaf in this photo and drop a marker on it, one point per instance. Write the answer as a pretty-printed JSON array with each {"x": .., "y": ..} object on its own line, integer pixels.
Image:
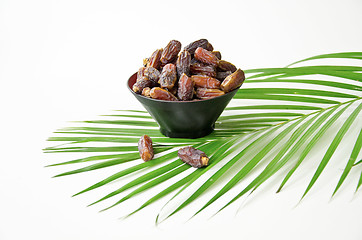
[
  {"x": 356, "y": 149},
  {"x": 127, "y": 171},
  {"x": 308, "y": 81},
  {"x": 288, "y": 98},
  {"x": 334, "y": 71},
  {"x": 270, "y": 169},
  {"x": 352, "y": 55},
  {"x": 295, "y": 91},
  {"x": 146, "y": 177},
  {"x": 273, "y": 106},
  {"x": 292, "y": 115},
  {"x": 332, "y": 148},
  {"x": 249, "y": 166},
  {"x": 313, "y": 141}
]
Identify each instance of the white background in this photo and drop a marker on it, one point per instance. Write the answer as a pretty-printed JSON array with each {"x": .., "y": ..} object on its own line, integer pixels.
[{"x": 69, "y": 60}]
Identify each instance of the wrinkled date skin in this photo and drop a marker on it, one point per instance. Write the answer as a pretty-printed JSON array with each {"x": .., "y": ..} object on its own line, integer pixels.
[
  {"x": 183, "y": 63},
  {"x": 217, "y": 54},
  {"x": 143, "y": 83},
  {"x": 195, "y": 73},
  {"x": 222, "y": 75},
  {"x": 191, "y": 48},
  {"x": 185, "y": 88},
  {"x": 206, "y": 56},
  {"x": 226, "y": 66},
  {"x": 168, "y": 76},
  {"x": 209, "y": 47},
  {"x": 162, "y": 94},
  {"x": 233, "y": 81},
  {"x": 206, "y": 93},
  {"x": 170, "y": 52},
  {"x": 146, "y": 92},
  {"x": 140, "y": 73},
  {"x": 145, "y": 148},
  {"x": 154, "y": 60},
  {"x": 152, "y": 74},
  {"x": 198, "y": 68},
  {"x": 193, "y": 157},
  {"x": 205, "y": 81}
]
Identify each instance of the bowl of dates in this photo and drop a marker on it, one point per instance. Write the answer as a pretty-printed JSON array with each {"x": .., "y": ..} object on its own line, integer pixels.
[{"x": 186, "y": 90}]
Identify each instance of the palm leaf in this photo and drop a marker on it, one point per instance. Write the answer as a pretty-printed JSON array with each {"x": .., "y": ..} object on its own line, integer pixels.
[
  {"x": 275, "y": 133},
  {"x": 332, "y": 148},
  {"x": 356, "y": 149},
  {"x": 351, "y": 55}
]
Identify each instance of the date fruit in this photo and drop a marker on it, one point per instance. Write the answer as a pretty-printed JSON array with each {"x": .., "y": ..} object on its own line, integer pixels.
[
  {"x": 199, "y": 43},
  {"x": 198, "y": 68},
  {"x": 209, "y": 47},
  {"x": 146, "y": 92},
  {"x": 195, "y": 73},
  {"x": 140, "y": 73},
  {"x": 183, "y": 63},
  {"x": 154, "y": 60},
  {"x": 193, "y": 157},
  {"x": 185, "y": 90},
  {"x": 222, "y": 75},
  {"x": 170, "y": 52},
  {"x": 168, "y": 76},
  {"x": 143, "y": 83},
  {"x": 152, "y": 74},
  {"x": 205, "y": 56},
  {"x": 145, "y": 148},
  {"x": 233, "y": 81},
  {"x": 205, "y": 81},
  {"x": 206, "y": 93},
  {"x": 226, "y": 66},
  {"x": 162, "y": 94},
  {"x": 217, "y": 54}
]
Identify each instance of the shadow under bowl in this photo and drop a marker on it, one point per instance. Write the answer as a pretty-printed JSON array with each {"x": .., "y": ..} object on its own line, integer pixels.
[{"x": 184, "y": 119}]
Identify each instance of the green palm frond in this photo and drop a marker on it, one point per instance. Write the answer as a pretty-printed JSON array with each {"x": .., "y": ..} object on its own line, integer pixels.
[{"x": 275, "y": 133}]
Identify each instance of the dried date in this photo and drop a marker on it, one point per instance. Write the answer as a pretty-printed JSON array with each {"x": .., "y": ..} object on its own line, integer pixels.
[
  {"x": 143, "y": 83},
  {"x": 146, "y": 92},
  {"x": 226, "y": 66},
  {"x": 198, "y": 68},
  {"x": 206, "y": 93},
  {"x": 168, "y": 76},
  {"x": 222, "y": 75},
  {"x": 162, "y": 94},
  {"x": 209, "y": 47},
  {"x": 170, "y": 52},
  {"x": 154, "y": 60},
  {"x": 145, "y": 148},
  {"x": 195, "y": 73},
  {"x": 152, "y": 74},
  {"x": 140, "y": 73},
  {"x": 191, "y": 48},
  {"x": 233, "y": 81},
  {"x": 206, "y": 56},
  {"x": 185, "y": 90},
  {"x": 193, "y": 157},
  {"x": 205, "y": 81},
  {"x": 183, "y": 63},
  {"x": 217, "y": 54}
]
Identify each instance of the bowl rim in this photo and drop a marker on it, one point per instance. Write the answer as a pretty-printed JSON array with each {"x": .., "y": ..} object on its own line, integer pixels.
[{"x": 178, "y": 102}]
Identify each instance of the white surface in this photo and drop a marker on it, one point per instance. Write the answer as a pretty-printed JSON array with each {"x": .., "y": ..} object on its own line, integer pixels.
[{"x": 69, "y": 60}]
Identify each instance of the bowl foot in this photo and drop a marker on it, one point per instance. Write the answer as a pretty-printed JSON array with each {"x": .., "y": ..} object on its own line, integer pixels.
[{"x": 196, "y": 134}]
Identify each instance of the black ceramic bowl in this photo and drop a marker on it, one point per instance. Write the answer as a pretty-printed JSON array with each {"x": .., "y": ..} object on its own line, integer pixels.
[{"x": 184, "y": 119}]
